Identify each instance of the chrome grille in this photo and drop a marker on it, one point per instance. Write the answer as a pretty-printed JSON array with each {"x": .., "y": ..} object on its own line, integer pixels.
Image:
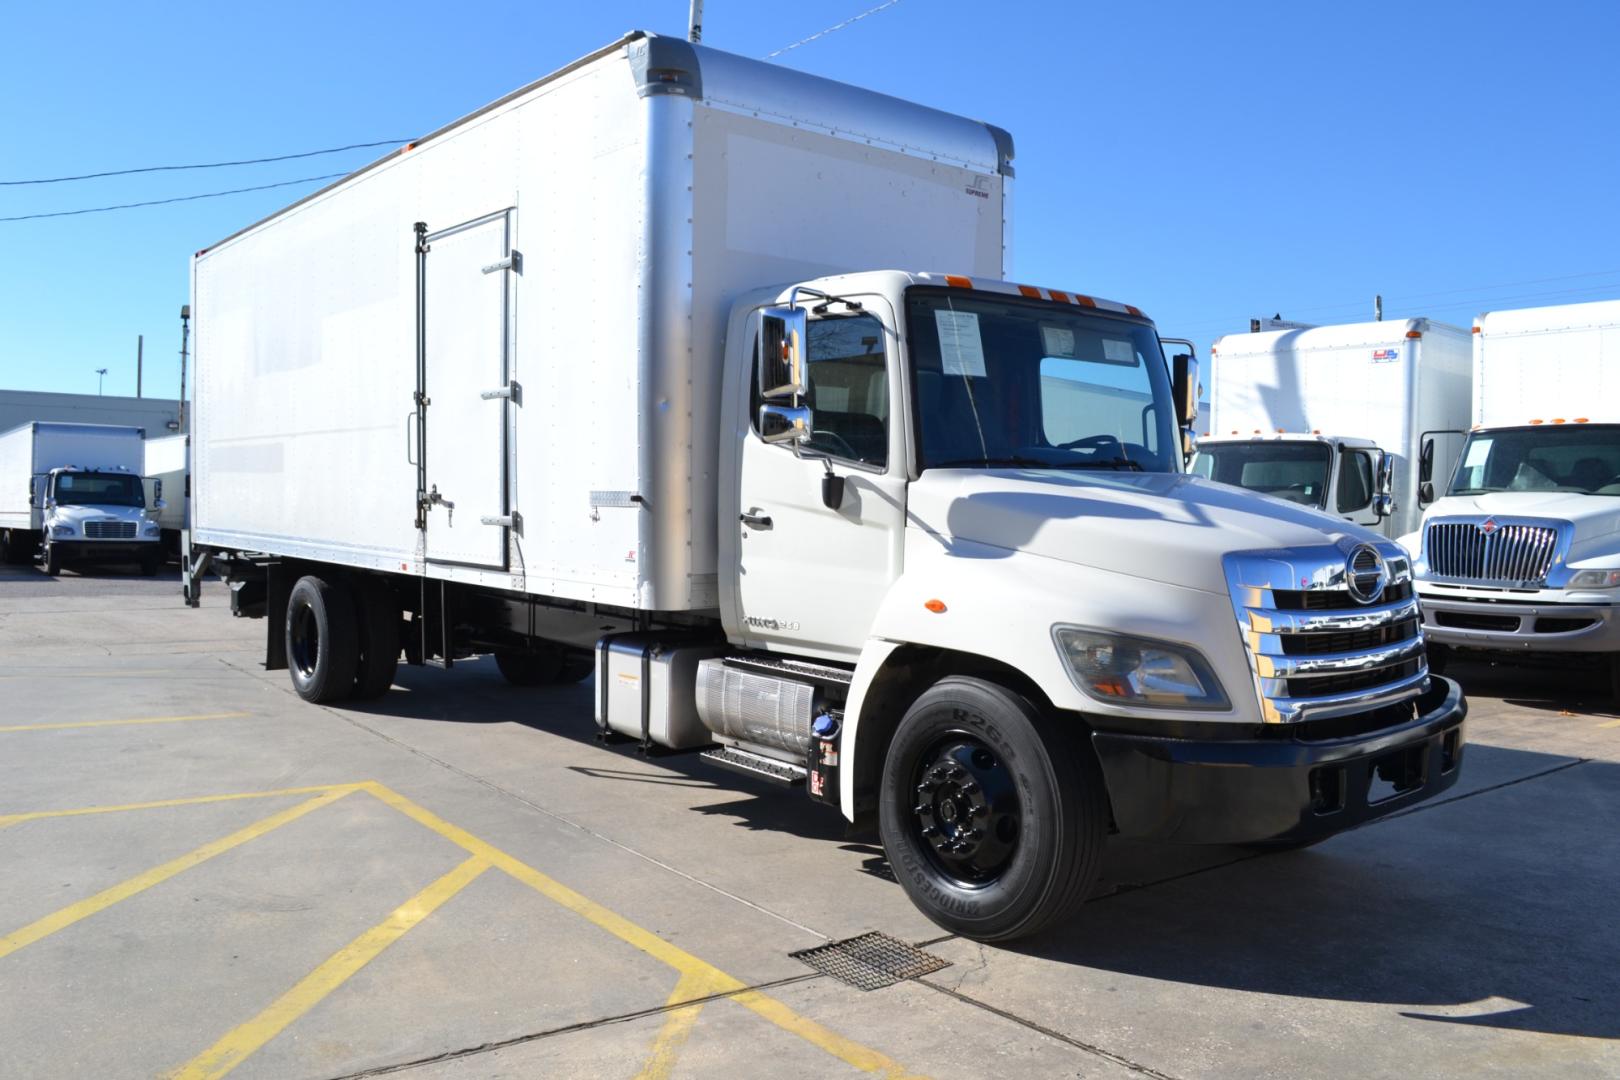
[
  {"x": 1489, "y": 550},
  {"x": 1314, "y": 650},
  {"x": 109, "y": 530}
]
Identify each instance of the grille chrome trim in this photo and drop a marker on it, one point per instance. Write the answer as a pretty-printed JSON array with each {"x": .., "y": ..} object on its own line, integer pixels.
[
  {"x": 109, "y": 529},
  {"x": 1255, "y": 578},
  {"x": 1515, "y": 551}
]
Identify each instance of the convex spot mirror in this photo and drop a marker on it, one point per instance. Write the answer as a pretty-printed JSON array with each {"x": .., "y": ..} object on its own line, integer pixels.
[
  {"x": 784, "y": 423},
  {"x": 1383, "y": 503},
  {"x": 781, "y": 356}
]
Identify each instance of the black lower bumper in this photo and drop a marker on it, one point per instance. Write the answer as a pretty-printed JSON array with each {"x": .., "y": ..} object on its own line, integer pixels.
[
  {"x": 107, "y": 551},
  {"x": 1232, "y": 791}
]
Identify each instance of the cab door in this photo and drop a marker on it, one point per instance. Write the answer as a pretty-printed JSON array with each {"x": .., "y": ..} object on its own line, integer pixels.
[
  {"x": 1356, "y": 484},
  {"x": 811, "y": 576}
]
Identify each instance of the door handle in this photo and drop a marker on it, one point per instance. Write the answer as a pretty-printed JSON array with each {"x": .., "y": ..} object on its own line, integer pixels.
[{"x": 756, "y": 520}]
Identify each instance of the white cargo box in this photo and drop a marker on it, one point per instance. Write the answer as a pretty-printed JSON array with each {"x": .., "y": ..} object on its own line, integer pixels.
[
  {"x": 583, "y": 240},
  {"x": 165, "y": 459},
  {"x": 1547, "y": 364}
]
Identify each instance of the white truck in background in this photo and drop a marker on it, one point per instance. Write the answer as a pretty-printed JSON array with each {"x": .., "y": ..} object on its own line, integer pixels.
[
  {"x": 1521, "y": 554},
  {"x": 167, "y": 475},
  {"x": 1337, "y": 417},
  {"x": 609, "y": 377},
  {"x": 71, "y": 494}
]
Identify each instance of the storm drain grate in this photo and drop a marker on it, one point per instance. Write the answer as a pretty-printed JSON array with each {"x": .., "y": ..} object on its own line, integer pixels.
[{"x": 871, "y": 961}]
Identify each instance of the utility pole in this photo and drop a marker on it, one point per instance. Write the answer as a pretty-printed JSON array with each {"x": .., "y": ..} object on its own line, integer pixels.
[
  {"x": 694, "y": 22},
  {"x": 101, "y": 377},
  {"x": 185, "y": 338},
  {"x": 140, "y": 348}
]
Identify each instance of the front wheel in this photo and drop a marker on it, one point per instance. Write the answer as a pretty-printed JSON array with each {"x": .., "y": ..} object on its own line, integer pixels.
[
  {"x": 993, "y": 814},
  {"x": 53, "y": 560}
]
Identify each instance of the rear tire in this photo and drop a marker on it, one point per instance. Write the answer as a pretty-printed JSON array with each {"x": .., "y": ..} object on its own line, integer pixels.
[
  {"x": 323, "y": 644},
  {"x": 549, "y": 665},
  {"x": 1439, "y": 658},
  {"x": 993, "y": 815},
  {"x": 378, "y": 616},
  {"x": 150, "y": 564},
  {"x": 16, "y": 548}
]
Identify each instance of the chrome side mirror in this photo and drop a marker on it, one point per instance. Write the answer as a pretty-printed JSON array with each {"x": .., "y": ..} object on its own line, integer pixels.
[
  {"x": 1386, "y": 474},
  {"x": 784, "y": 423},
  {"x": 1184, "y": 387},
  {"x": 160, "y": 504},
  {"x": 1383, "y": 504},
  {"x": 782, "y": 353}
]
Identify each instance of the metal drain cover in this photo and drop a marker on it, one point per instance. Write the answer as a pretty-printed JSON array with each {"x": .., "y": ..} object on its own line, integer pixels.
[{"x": 871, "y": 961}]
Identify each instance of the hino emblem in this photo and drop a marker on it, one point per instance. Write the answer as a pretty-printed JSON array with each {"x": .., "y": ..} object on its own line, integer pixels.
[{"x": 1365, "y": 574}]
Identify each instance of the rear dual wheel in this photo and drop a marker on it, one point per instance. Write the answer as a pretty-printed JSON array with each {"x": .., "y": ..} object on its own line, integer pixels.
[
  {"x": 342, "y": 638},
  {"x": 993, "y": 814}
]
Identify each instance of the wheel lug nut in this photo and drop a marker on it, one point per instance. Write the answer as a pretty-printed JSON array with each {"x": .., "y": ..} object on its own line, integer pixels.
[
  {"x": 923, "y": 809},
  {"x": 929, "y": 830},
  {"x": 969, "y": 788}
]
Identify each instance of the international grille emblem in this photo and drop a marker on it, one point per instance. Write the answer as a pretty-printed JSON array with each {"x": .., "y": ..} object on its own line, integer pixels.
[
  {"x": 1488, "y": 526},
  {"x": 1365, "y": 574}
]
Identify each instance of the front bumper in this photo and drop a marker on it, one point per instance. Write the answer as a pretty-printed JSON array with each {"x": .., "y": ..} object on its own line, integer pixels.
[
  {"x": 1519, "y": 626},
  {"x": 1233, "y": 791},
  {"x": 107, "y": 551}
]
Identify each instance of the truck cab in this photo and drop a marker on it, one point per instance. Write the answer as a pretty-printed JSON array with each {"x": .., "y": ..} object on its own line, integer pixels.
[
  {"x": 1337, "y": 474},
  {"x": 97, "y": 516}
]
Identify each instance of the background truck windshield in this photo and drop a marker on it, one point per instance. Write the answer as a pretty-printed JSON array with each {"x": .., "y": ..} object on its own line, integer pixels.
[
  {"x": 1582, "y": 458},
  {"x": 1296, "y": 471},
  {"x": 99, "y": 489},
  {"x": 1031, "y": 384}
]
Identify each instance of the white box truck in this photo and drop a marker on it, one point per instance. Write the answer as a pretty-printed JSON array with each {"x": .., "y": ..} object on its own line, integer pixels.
[
  {"x": 1334, "y": 417},
  {"x": 1521, "y": 554},
  {"x": 167, "y": 474},
  {"x": 610, "y": 375},
  {"x": 71, "y": 494}
]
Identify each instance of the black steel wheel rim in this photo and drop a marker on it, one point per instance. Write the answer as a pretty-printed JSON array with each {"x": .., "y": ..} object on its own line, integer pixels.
[
  {"x": 305, "y": 640},
  {"x": 966, "y": 809}
]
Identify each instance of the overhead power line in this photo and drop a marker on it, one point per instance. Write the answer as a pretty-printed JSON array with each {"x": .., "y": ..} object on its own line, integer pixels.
[
  {"x": 831, "y": 29},
  {"x": 206, "y": 165},
  {"x": 176, "y": 199}
]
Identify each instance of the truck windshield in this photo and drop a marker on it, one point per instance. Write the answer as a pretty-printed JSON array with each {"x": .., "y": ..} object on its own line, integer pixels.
[
  {"x": 1006, "y": 382},
  {"x": 1582, "y": 458},
  {"x": 1296, "y": 471},
  {"x": 99, "y": 489}
]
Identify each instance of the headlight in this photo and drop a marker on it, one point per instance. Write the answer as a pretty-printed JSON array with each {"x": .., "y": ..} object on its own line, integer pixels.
[
  {"x": 154, "y": 530},
  {"x": 62, "y": 530},
  {"x": 1124, "y": 670},
  {"x": 1594, "y": 579}
]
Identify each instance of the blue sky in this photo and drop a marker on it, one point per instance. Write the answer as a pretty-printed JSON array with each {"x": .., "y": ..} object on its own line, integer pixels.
[{"x": 1207, "y": 162}]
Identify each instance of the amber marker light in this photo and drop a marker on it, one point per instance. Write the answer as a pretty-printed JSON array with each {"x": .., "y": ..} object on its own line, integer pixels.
[{"x": 936, "y": 606}]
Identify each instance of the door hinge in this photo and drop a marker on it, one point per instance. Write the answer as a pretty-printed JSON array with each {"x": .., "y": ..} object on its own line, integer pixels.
[
  {"x": 513, "y": 262},
  {"x": 512, "y": 391},
  {"x": 421, "y": 399}
]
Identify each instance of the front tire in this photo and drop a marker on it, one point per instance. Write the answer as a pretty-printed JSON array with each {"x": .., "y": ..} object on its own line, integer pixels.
[
  {"x": 52, "y": 560},
  {"x": 150, "y": 564},
  {"x": 323, "y": 645},
  {"x": 993, "y": 814}
]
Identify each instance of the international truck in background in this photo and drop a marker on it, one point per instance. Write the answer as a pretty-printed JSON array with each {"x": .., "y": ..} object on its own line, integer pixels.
[
  {"x": 1521, "y": 554},
  {"x": 609, "y": 377},
  {"x": 1335, "y": 417},
  {"x": 167, "y": 476},
  {"x": 71, "y": 494}
]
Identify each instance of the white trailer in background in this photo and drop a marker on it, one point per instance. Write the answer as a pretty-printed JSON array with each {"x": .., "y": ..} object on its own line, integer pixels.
[
  {"x": 1317, "y": 416},
  {"x": 611, "y": 375},
  {"x": 167, "y": 474},
  {"x": 71, "y": 493},
  {"x": 1521, "y": 554}
]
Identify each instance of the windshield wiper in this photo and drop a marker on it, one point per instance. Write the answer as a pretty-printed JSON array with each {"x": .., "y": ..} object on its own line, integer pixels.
[
  {"x": 992, "y": 462},
  {"x": 1105, "y": 463}
]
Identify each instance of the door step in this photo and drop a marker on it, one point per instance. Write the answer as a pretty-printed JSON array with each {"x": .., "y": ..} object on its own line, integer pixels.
[{"x": 756, "y": 765}]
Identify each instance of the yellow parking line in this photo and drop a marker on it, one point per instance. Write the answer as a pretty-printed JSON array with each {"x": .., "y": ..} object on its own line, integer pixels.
[
  {"x": 1611, "y": 723},
  {"x": 195, "y": 800},
  {"x": 120, "y": 723},
  {"x": 73, "y": 913},
  {"x": 677, "y": 1026},
  {"x": 235, "y": 1046},
  {"x": 861, "y": 1057}
]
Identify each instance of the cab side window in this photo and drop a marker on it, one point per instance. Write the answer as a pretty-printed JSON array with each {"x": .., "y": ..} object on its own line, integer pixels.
[
  {"x": 1355, "y": 481},
  {"x": 848, "y": 389}
]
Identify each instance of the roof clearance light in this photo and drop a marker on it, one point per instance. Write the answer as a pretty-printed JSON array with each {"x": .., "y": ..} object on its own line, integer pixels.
[
  {"x": 1534, "y": 422},
  {"x": 1476, "y": 328},
  {"x": 957, "y": 281},
  {"x": 1030, "y": 291},
  {"x": 1059, "y": 295},
  {"x": 1414, "y": 334},
  {"x": 1558, "y": 420},
  {"x": 936, "y": 606},
  {"x": 1135, "y": 311},
  {"x": 1580, "y": 419},
  {"x": 1084, "y": 301}
]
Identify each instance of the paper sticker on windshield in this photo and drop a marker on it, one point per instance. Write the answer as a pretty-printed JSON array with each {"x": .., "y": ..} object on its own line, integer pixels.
[
  {"x": 1478, "y": 451},
  {"x": 1118, "y": 351},
  {"x": 961, "y": 352},
  {"x": 1386, "y": 356},
  {"x": 1058, "y": 342}
]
